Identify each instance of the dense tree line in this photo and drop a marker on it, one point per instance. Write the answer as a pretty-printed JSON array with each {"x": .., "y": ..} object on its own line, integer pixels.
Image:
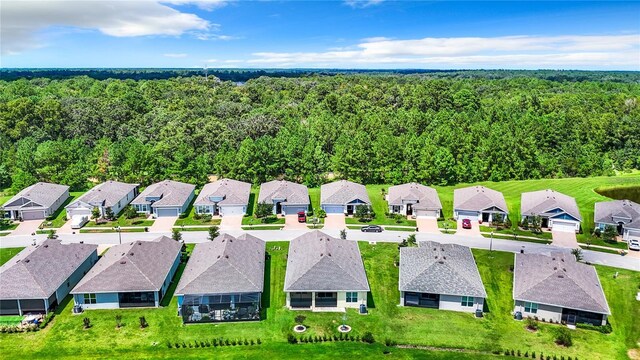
[{"x": 367, "y": 128}]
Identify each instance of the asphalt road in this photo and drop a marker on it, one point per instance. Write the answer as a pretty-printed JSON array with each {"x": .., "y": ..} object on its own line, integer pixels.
[{"x": 594, "y": 257}]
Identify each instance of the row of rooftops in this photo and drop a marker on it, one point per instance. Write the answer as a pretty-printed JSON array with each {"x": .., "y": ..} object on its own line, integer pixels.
[
  {"x": 316, "y": 262},
  {"x": 232, "y": 192}
]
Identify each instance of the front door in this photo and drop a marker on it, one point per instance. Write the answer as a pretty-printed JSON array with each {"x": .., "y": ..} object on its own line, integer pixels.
[
  {"x": 620, "y": 228},
  {"x": 278, "y": 208},
  {"x": 409, "y": 209},
  {"x": 350, "y": 209}
]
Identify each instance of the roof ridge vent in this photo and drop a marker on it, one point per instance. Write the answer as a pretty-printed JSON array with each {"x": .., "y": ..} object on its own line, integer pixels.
[
  {"x": 123, "y": 262},
  {"x": 131, "y": 254},
  {"x": 26, "y": 260}
]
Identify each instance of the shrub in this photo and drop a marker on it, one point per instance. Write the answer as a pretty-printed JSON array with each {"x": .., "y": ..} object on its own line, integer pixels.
[
  {"x": 292, "y": 339},
  {"x": 47, "y": 319},
  {"x": 368, "y": 338},
  {"x": 259, "y": 341},
  {"x": 143, "y": 322},
  {"x": 531, "y": 324},
  {"x": 605, "y": 329},
  {"x": 118, "y": 321},
  {"x": 86, "y": 323},
  {"x": 300, "y": 319},
  {"x": 206, "y": 217},
  {"x": 563, "y": 337}
]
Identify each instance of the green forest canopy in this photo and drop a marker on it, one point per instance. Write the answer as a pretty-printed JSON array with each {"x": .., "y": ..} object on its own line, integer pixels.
[{"x": 369, "y": 128}]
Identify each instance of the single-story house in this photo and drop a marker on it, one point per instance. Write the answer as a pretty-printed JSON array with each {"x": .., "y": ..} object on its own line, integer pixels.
[
  {"x": 479, "y": 203},
  {"x": 223, "y": 280},
  {"x": 623, "y": 214},
  {"x": 558, "y": 212},
  {"x": 130, "y": 275},
  {"x": 39, "y": 277},
  {"x": 223, "y": 197},
  {"x": 165, "y": 199},
  {"x": 324, "y": 272},
  {"x": 36, "y": 202},
  {"x": 440, "y": 276},
  {"x": 287, "y": 197},
  {"x": 342, "y": 197},
  {"x": 558, "y": 288},
  {"x": 414, "y": 199},
  {"x": 110, "y": 194}
]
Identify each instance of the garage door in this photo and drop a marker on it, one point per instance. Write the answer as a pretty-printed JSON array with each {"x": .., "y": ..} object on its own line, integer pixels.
[
  {"x": 292, "y": 210},
  {"x": 564, "y": 226},
  {"x": 167, "y": 212},
  {"x": 427, "y": 213},
  {"x": 471, "y": 215},
  {"x": 333, "y": 209},
  {"x": 33, "y": 215},
  {"x": 231, "y": 210}
]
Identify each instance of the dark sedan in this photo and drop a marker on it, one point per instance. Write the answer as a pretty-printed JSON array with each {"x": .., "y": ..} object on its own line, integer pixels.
[{"x": 371, "y": 228}]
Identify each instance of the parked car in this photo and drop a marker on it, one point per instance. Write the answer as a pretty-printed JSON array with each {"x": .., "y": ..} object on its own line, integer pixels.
[
  {"x": 78, "y": 221},
  {"x": 371, "y": 228},
  {"x": 302, "y": 217},
  {"x": 466, "y": 224},
  {"x": 634, "y": 245}
]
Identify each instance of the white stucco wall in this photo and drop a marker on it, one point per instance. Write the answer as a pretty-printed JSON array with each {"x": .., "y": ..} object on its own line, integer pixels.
[
  {"x": 545, "y": 312},
  {"x": 454, "y": 303}
]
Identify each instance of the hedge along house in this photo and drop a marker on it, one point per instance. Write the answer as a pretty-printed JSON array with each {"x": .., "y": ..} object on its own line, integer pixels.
[
  {"x": 342, "y": 197},
  {"x": 38, "y": 278},
  {"x": 111, "y": 194},
  {"x": 223, "y": 280},
  {"x": 479, "y": 203},
  {"x": 287, "y": 197},
  {"x": 223, "y": 197},
  {"x": 624, "y": 215},
  {"x": 558, "y": 288},
  {"x": 165, "y": 199},
  {"x": 324, "y": 273},
  {"x": 557, "y": 212},
  {"x": 36, "y": 202},
  {"x": 440, "y": 276},
  {"x": 415, "y": 200},
  {"x": 130, "y": 275}
]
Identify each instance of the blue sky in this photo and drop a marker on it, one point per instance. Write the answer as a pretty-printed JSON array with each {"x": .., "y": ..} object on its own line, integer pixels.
[{"x": 321, "y": 34}]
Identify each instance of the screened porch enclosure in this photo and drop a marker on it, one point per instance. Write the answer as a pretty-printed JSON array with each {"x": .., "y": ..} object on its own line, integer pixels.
[{"x": 220, "y": 307}]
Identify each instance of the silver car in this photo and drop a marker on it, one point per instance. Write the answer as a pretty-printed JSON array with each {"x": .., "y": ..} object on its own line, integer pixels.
[{"x": 634, "y": 245}]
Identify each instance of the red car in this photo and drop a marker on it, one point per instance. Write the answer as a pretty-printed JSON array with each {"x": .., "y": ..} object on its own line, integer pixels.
[
  {"x": 302, "y": 217},
  {"x": 466, "y": 224}
]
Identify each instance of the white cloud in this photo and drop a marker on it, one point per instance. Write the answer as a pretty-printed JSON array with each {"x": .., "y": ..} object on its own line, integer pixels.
[
  {"x": 175, "y": 55},
  {"x": 23, "y": 21},
  {"x": 361, "y": 4},
  {"x": 208, "y": 5},
  {"x": 569, "y": 51}
]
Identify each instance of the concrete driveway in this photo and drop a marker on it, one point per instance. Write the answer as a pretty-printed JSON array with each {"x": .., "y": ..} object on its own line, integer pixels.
[
  {"x": 335, "y": 221},
  {"x": 291, "y": 223},
  {"x": 27, "y": 227},
  {"x": 474, "y": 231},
  {"x": 163, "y": 224},
  {"x": 427, "y": 225},
  {"x": 231, "y": 222},
  {"x": 564, "y": 239}
]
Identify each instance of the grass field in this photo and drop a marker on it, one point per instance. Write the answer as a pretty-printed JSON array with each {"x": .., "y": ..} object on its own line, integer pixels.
[
  {"x": 475, "y": 338},
  {"x": 190, "y": 220},
  {"x": 7, "y": 253},
  {"x": 110, "y": 230},
  {"x": 60, "y": 217},
  {"x": 122, "y": 220}
]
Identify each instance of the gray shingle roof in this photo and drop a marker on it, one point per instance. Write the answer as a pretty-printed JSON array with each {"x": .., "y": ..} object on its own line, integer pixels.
[
  {"x": 38, "y": 271},
  {"x": 604, "y": 212},
  {"x": 435, "y": 268},
  {"x": 171, "y": 193},
  {"x": 427, "y": 197},
  {"x": 39, "y": 194},
  {"x": 477, "y": 198},
  {"x": 558, "y": 280},
  {"x": 136, "y": 266},
  {"x": 233, "y": 192},
  {"x": 106, "y": 194},
  {"x": 343, "y": 192},
  {"x": 294, "y": 194},
  {"x": 319, "y": 262},
  {"x": 225, "y": 265},
  {"x": 539, "y": 202}
]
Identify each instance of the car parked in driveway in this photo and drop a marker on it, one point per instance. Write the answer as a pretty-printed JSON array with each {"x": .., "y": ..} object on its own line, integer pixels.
[
  {"x": 371, "y": 228},
  {"x": 466, "y": 224},
  {"x": 302, "y": 217},
  {"x": 634, "y": 245}
]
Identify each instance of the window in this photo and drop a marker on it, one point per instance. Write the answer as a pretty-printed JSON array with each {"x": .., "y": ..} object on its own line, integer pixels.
[
  {"x": 89, "y": 298},
  {"x": 530, "y": 307},
  {"x": 352, "y": 297},
  {"x": 467, "y": 301}
]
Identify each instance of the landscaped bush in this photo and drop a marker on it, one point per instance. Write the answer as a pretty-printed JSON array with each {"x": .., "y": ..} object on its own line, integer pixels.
[
  {"x": 532, "y": 324},
  {"x": 605, "y": 329},
  {"x": 368, "y": 338},
  {"x": 563, "y": 337},
  {"x": 214, "y": 342}
]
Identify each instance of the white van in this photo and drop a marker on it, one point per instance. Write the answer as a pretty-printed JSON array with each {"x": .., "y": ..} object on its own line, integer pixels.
[{"x": 78, "y": 221}]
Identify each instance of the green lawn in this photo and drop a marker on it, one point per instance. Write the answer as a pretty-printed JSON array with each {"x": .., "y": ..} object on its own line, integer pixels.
[
  {"x": 10, "y": 320},
  {"x": 190, "y": 220},
  {"x": 477, "y": 338},
  {"x": 7, "y": 253},
  {"x": 11, "y": 226},
  {"x": 110, "y": 230},
  {"x": 503, "y": 231},
  {"x": 60, "y": 217},
  {"x": 122, "y": 220},
  {"x": 380, "y": 207}
]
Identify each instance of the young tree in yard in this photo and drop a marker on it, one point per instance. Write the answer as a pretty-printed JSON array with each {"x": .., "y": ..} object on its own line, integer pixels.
[
  {"x": 4, "y": 222},
  {"x": 214, "y": 232},
  {"x": 343, "y": 234},
  {"x": 130, "y": 212},
  {"x": 109, "y": 215},
  {"x": 525, "y": 223},
  {"x": 577, "y": 252},
  {"x": 536, "y": 222},
  {"x": 176, "y": 234},
  {"x": 263, "y": 210},
  {"x": 609, "y": 234},
  {"x": 411, "y": 240},
  {"x": 364, "y": 213},
  {"x": 95, "y": 213}
]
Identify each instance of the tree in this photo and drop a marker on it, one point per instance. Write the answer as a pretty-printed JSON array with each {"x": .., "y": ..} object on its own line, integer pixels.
[
  {"x": 610, "y": 233},
  {"x": 364, "y": 213},
  {"x": 214, "y": 232},
  {"x": 176, "y": 234},
  {"x": 109, "y": 215},
  {"x": 536, "y": 223},
  {"x": 95, "y": 213},
  {"x": 343, "y": 234},
  {"x": 411, "y": 240},
  {"x": 130, "y": 212},
  {"x": 4, "y": 221},
  {"x": 577, "y": 252},
  {"x": 263, "y": 209},
  {"x": 118, "y": 321}
]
